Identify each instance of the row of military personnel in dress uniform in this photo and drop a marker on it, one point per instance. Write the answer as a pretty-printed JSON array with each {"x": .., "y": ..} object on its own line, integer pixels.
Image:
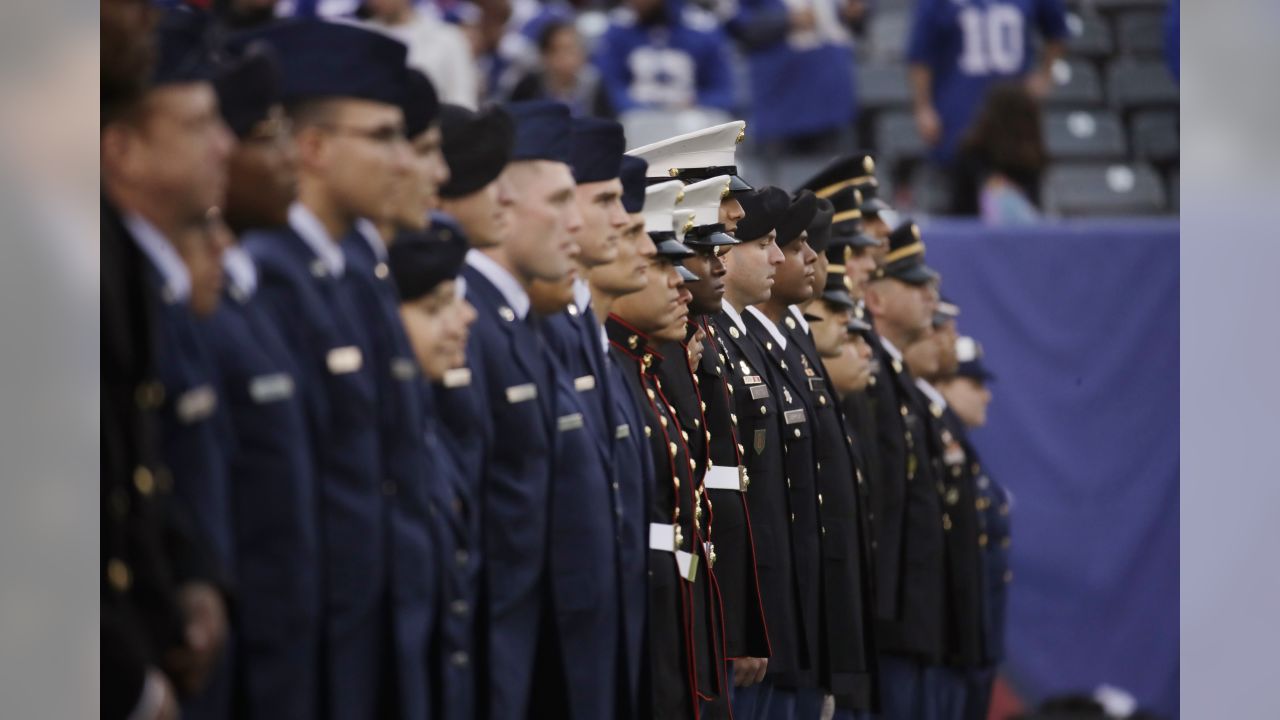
[{"x": 474, "y": 414}]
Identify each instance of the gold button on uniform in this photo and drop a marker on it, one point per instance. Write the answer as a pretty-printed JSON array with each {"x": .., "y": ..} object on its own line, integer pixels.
[
  {"x": 1004, "y": 543},
  {"x": 982, "y": 540},
  {"x": 822, "y": 399},
  {"x": 946, "y": 522},
  {"x": 797, "y": 432},
  {"x": 118, "y": 574},
  {"x": 1008, "y": 576},
  {"x": 143, "y": 480}
]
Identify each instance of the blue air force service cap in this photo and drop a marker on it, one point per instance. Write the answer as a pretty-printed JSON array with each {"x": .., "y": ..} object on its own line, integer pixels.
[
  {"x": 477, "y": 146},
  {"x": 321, "y": 59},
  {"x": 421, "y": 104},
  {"x": 633, "y": 184},
  {"x": 184, "y": 52},
  {"x": 905, "y": 260},
  {"x": 543, "y": 130},
  {"x": 596, "y": 149},
  {"x": 764, "y": 210},
  {"x": 420, "y": 261},
  {"x": 248, "y": 87}
]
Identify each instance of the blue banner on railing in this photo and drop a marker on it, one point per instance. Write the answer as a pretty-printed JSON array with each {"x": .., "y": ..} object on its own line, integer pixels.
[{"x": 1079, "y": 322}]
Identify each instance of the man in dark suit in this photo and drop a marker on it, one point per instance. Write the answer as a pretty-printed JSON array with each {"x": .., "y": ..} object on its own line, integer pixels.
[
  {"x": 349, "y": 131},
  {"x": 514, "y": 375},
  {"x": 163, "y": 162}
]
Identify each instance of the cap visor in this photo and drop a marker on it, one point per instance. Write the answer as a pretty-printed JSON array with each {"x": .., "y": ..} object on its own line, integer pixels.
[
  {"x": 673, "y": 250},
  {"x": 874, "y": 205},
  {"x": 715, "y": 239},
  {"x": 686, "y": 274},
  {"x": 839, "y": 298},
  {"x": 737, "y": 185},
  {"x": 918, "y": 274}
]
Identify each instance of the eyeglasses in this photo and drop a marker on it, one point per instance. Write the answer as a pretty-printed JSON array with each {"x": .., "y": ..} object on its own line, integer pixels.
[{"x": 389, "y": 135}]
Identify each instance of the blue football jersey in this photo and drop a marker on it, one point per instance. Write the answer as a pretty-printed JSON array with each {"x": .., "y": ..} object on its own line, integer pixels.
[{"x": 971, "y": 44}]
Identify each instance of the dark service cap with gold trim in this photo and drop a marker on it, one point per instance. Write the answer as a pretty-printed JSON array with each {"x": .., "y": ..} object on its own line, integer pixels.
[
  {"x": 905, "y": 260},
  {"x": 840, "y": 173},
  {"x": 846, "y": 224}
]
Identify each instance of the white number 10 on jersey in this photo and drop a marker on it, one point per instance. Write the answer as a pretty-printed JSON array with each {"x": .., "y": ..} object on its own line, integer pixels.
[{"x": 993, "y": 39}]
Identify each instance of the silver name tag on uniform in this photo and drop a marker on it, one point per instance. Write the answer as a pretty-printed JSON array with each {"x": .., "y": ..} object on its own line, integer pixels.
[
  {"x": 791, "y": 417},
  {"x": 572, "y": 421},
  {"x": 196, "y": 404},
  {"x": 271, "y": 388},
  {"x": 759, "y": 391},
  {"x": 816, "y": 384},
  {"x": 403, "y": 369},
  {"x": 521, "y": 393},
  {"x": 344, "y": 360},
  {"x": 723, "y": 477},
  {"x": 752, "y": 379},
  {"x": 584, "y": 383},
  {"x": 457, "y": 377},
  {"x": 622, "y": 431}
]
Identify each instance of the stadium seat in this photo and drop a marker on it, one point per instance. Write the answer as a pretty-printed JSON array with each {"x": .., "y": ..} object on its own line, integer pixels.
[
  {"x": 1084, "y": 135},
  {"x": 930, "y": 190},
  {"x": 887, "y": 34},
  {"x": 1155, "y": 136},
  {"x": 882, "y": 85},
  {"x": 1141, "y": 33},
  {"x": 1090, "y": 34},
  {"x": 896, "y": 136},
  {"x": 1137, "y": 84},
  {"x": 1076, "y": 83},
  {"x": 1103, "y": 189}
]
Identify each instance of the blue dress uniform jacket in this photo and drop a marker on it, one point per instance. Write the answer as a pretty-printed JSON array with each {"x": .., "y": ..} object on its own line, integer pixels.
[
  {"x": 511, "y": 372},
  {"x": 193, "y": 443},
  {"x": 746, "y": 634},
  {"x": 674, "y": 561},
  {"x": 909, "y": 534},
  {"x": 849, "y": 644},
  {"x": 583, "y": 556},
  {"x": 408, "y": 469},
  {"x": 274, "y": 477},
  {"x": 319, "y": 316},
  {"x": 750, "y": 383},
  {"x": 574, "y": 337},
  {"x": 805, "y": 522}
]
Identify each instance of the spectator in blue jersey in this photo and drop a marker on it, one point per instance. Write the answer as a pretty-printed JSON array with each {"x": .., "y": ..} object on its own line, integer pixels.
[
  {"x": 800, "y": 59},
  {"x": 959, "y": 48},
  {"x": 660, "y": 54}
]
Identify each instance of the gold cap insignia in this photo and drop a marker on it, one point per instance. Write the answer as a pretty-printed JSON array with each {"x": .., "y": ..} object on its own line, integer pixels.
[
  {"x": 857, "y": 196},
  {"x": 915, "y": 231},
  {"x": 674, "y": 172},
  {"x": 868, "y": 165},
  {"x": 742, "y": 134},
  {"x": 848, "y": 253},
  {"x": 724, "y": 193}
]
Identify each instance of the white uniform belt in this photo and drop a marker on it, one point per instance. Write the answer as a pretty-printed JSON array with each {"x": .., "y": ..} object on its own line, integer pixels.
[{"x": 723, "y": 477}]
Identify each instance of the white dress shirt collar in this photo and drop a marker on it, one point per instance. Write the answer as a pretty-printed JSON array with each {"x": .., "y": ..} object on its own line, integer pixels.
[
  {"x": 162, "y": 254},
  {"x": 768, "y": 325},
  {"x": 506, "y": 283},
  {"x": 241, "y": 273},
  {"x": 371, "y": 235},
  {"x": 889, "y": 348},
  {"x": 799, "y": 316},
  {"x": 932, "y": 393},
  {"x": 581, "y": 294},
  {"x": 734, "y": 316},
  {"x": 313, "y": 233}
]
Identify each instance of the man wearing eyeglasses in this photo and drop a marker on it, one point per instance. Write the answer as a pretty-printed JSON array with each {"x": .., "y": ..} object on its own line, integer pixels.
[{"x": 349, "y": 130}]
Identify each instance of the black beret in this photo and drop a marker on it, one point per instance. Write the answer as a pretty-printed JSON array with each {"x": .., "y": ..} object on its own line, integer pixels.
[
  {"x": 543, "y": 130},
  {"x": 421, "y": 105},
  {"x": 420, "y": 261},
  {"x": 596, "y": 149},
  {"x": 764, "y": 210},
  {"x": 820, "y": 227},
  {"x": 320, "y": 59},
  {"x": 905, "y": 260},
  {"x": 477, "y": 147},
  {"x": 796, "y": 219},
  {"x": 248, "y": 87},
  {"x": 633, "y": 182}
]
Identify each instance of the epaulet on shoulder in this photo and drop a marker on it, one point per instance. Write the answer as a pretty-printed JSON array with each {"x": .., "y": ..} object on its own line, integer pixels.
[{"x": 698, "y": 19}]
